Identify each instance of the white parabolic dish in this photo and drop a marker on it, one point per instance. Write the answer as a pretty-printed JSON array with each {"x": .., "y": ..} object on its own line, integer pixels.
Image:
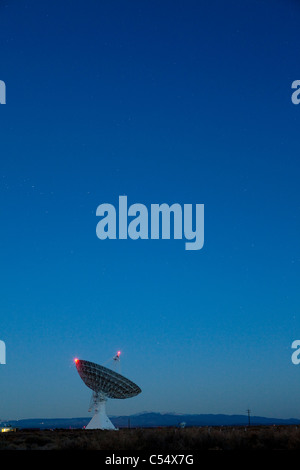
[{"x": 105, "y": 383}]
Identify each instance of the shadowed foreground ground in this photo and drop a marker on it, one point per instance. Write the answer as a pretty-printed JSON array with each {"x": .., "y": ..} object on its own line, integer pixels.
[{"x": 163, "y": 439}]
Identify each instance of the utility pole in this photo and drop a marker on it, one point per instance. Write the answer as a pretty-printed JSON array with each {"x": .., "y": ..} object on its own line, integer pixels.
[{"x": 248, "y": 412}]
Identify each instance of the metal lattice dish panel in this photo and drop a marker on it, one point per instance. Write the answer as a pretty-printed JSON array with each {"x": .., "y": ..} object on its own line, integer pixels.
[{"x": 104, "y": 380}]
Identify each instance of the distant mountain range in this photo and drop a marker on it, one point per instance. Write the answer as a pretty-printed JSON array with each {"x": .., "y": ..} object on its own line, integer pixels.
[{"x": 147, "y": 420}]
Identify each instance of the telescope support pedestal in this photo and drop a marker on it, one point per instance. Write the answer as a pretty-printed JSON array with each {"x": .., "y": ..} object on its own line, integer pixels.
[{"x": 100, "y": 419}]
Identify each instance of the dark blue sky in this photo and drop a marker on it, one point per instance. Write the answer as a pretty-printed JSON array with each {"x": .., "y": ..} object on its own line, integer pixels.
[{"x": 164, "y": 101}]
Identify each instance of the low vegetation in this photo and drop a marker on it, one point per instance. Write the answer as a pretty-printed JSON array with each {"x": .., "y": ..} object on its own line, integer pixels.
[{"x": 158, "y": 439}]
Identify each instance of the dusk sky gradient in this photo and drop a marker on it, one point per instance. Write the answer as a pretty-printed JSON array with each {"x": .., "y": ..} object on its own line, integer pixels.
[{"x": 163, "y": 101}]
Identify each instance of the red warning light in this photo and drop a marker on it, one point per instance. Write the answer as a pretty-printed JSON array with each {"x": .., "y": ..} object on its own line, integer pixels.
[
  {"x": 76, "y": 360},
  {"x": 117, "y": 356}
]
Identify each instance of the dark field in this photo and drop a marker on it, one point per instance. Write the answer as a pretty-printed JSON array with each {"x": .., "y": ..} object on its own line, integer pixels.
[{"x": 159, "y": 439}]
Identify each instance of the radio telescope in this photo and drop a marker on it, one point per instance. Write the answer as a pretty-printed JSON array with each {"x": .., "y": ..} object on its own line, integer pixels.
[{"x": 105, "y": 384}]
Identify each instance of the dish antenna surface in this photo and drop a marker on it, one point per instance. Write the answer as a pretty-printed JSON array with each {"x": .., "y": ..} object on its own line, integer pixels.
[{"x": 105, "y": 384}]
